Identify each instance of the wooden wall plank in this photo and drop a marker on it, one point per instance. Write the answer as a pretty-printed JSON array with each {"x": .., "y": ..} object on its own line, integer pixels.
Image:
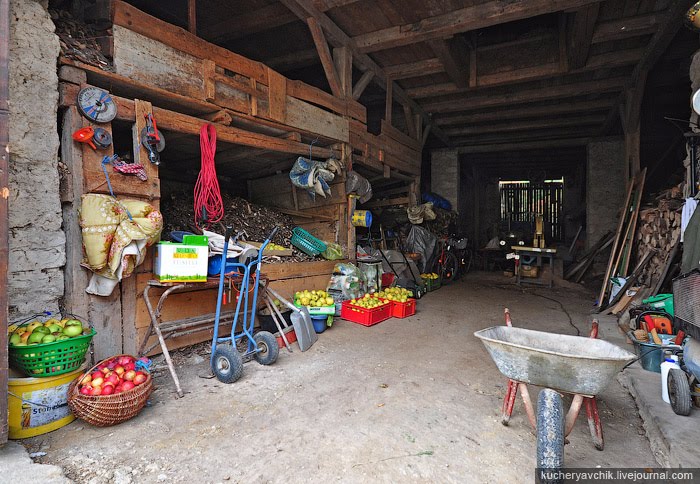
[{"x": 277, "y": 96}]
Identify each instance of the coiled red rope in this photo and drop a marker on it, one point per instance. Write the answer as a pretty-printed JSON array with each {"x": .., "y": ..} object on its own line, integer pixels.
[{"x": 208, "y": 206}]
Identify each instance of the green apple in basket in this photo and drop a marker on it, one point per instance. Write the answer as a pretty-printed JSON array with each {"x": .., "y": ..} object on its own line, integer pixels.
[
  {"x": 15, "y": 339},
  {"x": 35, "y": 337},
  {"x": 73, "y": 330}
]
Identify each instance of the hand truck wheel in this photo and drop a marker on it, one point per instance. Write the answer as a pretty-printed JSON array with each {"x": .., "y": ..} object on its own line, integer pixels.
[
  {"x": 679, "y": 391},
  {"x": 227, "y": 364},
  {"x": 268, "y": 349}
]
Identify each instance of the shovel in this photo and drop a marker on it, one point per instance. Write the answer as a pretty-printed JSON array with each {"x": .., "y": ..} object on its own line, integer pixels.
[{"x": 301, "y": 320}]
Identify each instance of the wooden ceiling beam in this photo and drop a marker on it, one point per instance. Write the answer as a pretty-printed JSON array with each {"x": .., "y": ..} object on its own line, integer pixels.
[
  {"x": 454, "y": 55},
  {"x": 527, "y": 95},
  {"x": 547, "y": 134},
  {"x": 251, "y": 22},
  {"x": 523, "y": 146},
  {"x": 526, "y": 111},
  {"x": 306, "y": 8},
  {"x": 625, "y": 28},
  {"x": 324, "y": 54},
  {"x": 462, "y": 20},
  {"x": 419, "y": 68},
  {"x": 581, "y": 25},
  {"x": 362, "y": 84},
  {"x": 667, "y": 29},
  {"x": 535, "y": 73},
  {"x": 511, "y": 126}
]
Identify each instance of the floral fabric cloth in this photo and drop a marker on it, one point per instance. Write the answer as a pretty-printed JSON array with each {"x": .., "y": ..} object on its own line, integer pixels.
[{"x": 116, "y": 234}]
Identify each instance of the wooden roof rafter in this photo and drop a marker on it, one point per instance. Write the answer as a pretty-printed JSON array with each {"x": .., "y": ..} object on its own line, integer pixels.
[{"x": 305, "y": 9}]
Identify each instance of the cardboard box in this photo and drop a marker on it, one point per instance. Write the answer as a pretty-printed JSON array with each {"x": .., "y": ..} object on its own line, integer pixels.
[{"x": 185, "y": 262}]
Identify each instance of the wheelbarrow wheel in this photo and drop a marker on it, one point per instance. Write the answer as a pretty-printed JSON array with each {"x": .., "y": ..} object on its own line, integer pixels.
[
  {"x": 550, "y": 433},
  {"x": 227, "y": 364},
  {"x": 679, "y": 391},
  {"x": 268, "y": 349}
]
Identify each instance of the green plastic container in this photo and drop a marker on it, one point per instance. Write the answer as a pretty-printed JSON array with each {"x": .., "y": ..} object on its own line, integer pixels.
[
  {"x": 51, "y": 359},
  {"x": 663, "y": 302}
]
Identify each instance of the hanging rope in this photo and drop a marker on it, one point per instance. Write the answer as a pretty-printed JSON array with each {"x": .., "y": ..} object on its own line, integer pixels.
[{"x": 208, "y": 206}]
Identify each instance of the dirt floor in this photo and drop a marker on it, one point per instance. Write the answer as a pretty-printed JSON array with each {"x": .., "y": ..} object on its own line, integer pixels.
[{"x": 413, "y": 400}]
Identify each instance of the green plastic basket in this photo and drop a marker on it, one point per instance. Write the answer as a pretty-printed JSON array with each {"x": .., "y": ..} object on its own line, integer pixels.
[
  {"x": 307, "y": 243},
  {"x": 51, "y": 359}
]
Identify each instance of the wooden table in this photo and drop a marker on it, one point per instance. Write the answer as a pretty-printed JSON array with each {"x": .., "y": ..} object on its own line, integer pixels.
[
  {"x": 539, "y": 254},
  {"x": 179, "y": 327}
]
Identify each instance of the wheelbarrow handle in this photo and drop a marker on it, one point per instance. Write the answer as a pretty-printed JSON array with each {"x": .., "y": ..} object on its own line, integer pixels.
[
  {"x": 229, "y": 232},
  {"x": 274, "y": 232}
]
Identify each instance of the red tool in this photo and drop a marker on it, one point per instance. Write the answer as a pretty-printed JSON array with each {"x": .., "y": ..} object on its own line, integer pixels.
[
  {"x": 84, "y": 135},
  {"x": 152, "y": 139}
]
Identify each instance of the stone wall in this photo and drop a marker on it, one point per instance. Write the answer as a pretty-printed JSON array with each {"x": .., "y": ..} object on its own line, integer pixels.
[
  {"x": 444, "y": 176},
  {"x": 606, "y": 187},
  {"x": 37, "y": 241}
]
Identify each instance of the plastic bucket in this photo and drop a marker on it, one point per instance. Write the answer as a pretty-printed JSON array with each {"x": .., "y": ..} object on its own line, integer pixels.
[
  {"x": 652, "y": 355},
  {"x": 214, "y": 265},
  {"x": 320, "y": 323},
  {"x": 362, "y": 218},
  {"x": 38, "y": 405}
]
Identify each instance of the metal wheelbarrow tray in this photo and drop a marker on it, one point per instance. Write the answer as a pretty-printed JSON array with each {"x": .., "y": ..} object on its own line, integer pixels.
[{"x": 570, "y": 364}]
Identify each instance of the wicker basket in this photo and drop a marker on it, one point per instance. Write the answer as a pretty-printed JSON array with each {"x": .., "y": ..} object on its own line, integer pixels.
[{"x": 107, "y": 410}]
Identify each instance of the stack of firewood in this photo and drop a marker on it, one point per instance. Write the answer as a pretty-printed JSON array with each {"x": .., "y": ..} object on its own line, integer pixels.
[{"x": 659, "y": 232}]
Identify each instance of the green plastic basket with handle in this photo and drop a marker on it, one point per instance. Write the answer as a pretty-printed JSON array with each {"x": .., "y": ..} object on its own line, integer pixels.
[
  {"x": 307, "y": 243},
  {"x": 51, "y": 359}
]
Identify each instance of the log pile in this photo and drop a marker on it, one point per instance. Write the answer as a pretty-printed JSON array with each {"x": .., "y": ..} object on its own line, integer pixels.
[
  {"x": 255, "y": 220},
  {"x": 659, "y": 232}
]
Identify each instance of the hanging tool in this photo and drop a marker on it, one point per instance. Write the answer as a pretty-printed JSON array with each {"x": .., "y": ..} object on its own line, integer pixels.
[
  {"x": 85, "y": 135},
  {"x": 152, "y": 139},
  {"x": 102, "y": 138},
  {"x": 96, "y": 104}
]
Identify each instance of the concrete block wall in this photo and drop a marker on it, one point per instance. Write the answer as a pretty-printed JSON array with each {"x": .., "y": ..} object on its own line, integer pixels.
[
  {"x": 444, "y": 175},
  {"x": 37, "y": 241},
  {"x": 606, "y": 184}
]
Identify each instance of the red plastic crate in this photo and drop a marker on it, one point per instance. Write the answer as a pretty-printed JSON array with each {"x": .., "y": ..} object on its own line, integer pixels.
[
  {"x": 403, "y": 310},
  {"x": 363, "y": 316}
]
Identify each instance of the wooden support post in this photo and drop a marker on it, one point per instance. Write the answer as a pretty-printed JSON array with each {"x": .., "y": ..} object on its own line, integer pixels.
[
  {"x": 410, "y": 126},
  {"x": 386, "y": 171},
  {"x": 324, "y": 54},
  {"x": 473, "y": 71},
  {"x": 563, "y": 56},
  {"x": 192, "y": 16},
  {"x": 418, "y": 123},
  {"x": 208, "y": 73},
  {"x": 142, "y": 108},
  {"x": 362, "y": 84},
  {"x": 342, "y": 57},
  {"x": 477, "y": 212},
  {"x": 389, "y": 108}
]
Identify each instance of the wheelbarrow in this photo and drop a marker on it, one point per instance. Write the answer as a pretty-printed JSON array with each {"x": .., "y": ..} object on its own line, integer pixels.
[{"x": 579, "y": 366}]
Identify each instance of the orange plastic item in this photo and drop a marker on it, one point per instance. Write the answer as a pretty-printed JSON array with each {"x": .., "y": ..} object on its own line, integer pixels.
[
  {"x": 679, "y": 338},
  {"x": 663, "y": 325},
  {"x": 84, "y": 135}
]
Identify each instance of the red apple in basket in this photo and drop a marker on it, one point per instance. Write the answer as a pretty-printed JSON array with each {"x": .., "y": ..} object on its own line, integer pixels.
[
  {"x": 87, "y": 390},
  {"x": 86, "y": 379},
  {"x": 107, "y": 390},
  {"x": 139, "y": 378},
  {"x": 97, "y": 382},
  {"x": 129, "y": 366},
  {"x": 127, "y": 385},
  {"x": 97, "y": 374},
  {"x": 130, "y": 375},
  {"x": 96, "y": 391},
  {"x": 112, "y": 378},
  {"x": 119, "y": 370}
]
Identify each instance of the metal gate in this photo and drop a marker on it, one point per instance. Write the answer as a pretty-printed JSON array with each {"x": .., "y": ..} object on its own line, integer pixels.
[{"x": 522, "y": 200}]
